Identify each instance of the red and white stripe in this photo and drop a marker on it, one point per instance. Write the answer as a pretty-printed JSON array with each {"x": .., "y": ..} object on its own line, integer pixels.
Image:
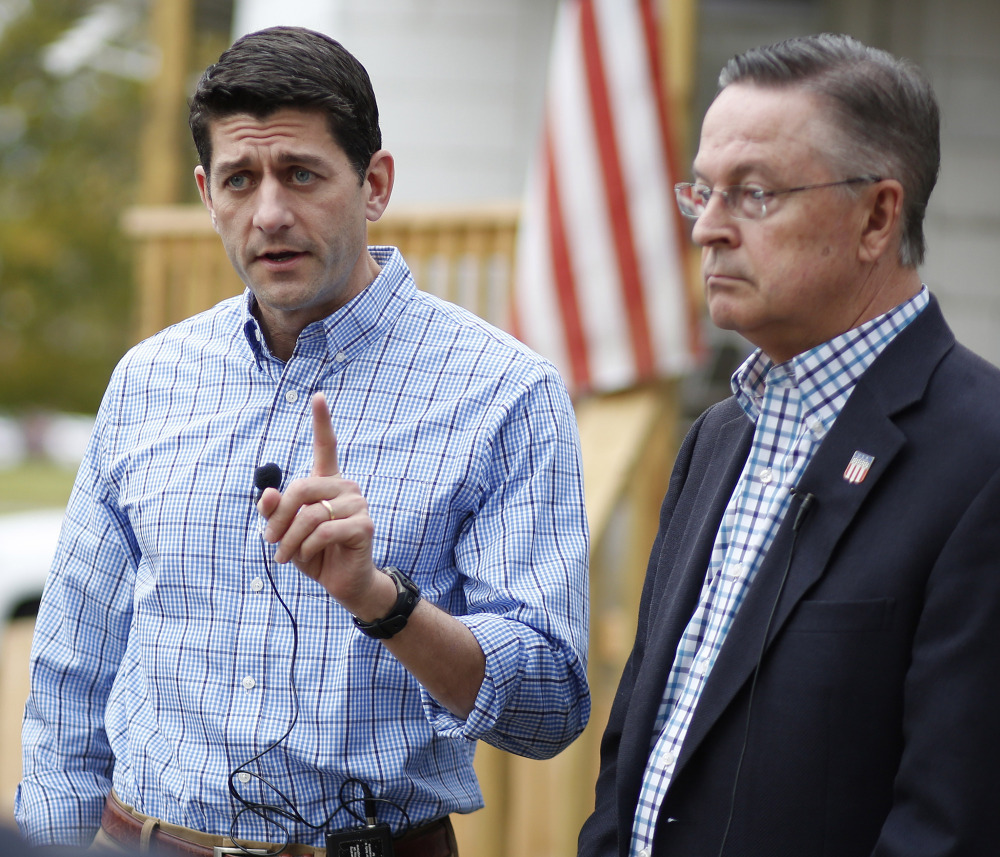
[
  {"x": 858, "y": 467},
  {"x": 600, "y": 279}
]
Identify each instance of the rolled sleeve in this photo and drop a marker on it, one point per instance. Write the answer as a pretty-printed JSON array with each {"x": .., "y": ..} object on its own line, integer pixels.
[{"x": 526, "y": 557}]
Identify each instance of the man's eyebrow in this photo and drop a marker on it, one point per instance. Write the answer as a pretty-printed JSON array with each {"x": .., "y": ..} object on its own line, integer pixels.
[
  {"x": 232, "y": 166},
  {"x": 302, "y": 159},
  {"x": 739, "y": 173},
  {"x": 284, "y": 158}
]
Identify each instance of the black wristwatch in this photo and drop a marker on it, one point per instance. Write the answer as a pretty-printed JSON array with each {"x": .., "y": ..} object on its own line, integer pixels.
[{"x": 407, "y": 596}]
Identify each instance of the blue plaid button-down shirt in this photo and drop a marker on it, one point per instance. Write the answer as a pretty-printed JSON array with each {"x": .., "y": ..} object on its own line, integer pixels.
[
  {"x": 793, "y": 405},
  {"x": 163, "y": 657}
]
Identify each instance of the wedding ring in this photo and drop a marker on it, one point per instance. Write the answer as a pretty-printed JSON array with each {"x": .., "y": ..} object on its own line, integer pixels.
[{"x": 329, "y": 508}]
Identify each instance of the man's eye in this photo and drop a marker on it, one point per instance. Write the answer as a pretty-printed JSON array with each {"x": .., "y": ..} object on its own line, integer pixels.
[
  {"x": 757, "y": 194},
  {"x": 302, "y": 176},
  {"x": 237, "y": 182}
]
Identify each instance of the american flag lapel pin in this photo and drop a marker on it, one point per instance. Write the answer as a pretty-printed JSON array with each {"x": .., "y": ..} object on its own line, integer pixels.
[{"x": 857, "y": 470}]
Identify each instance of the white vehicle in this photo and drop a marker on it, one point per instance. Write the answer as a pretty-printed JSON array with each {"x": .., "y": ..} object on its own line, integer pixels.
[{"x": 27, "y": 546}]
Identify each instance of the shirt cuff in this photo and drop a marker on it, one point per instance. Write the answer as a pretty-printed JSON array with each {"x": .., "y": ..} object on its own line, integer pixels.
[{"x": 504, "y": 653}]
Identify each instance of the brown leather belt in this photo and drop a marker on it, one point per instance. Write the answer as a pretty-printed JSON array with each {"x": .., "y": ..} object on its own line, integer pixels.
[{"x": 138, "y": 834}]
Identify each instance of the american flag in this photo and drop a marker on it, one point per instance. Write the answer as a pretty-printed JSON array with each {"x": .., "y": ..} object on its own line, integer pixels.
[
  {"x": 600, "y": 283},
  {"x": 858, "y": 467}
]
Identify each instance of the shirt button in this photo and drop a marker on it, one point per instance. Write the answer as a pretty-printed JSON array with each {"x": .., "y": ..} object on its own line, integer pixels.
[
  {"x": 340, "y": 357},
  {"x": 701, "y": 666},
  {"x": 291, "y": 396},
  {"x": 644, "y": 853},
  {"x": 249, "y": 683},
  {"x": 816, "y": 427},
  {"x": 243, "y": 777},
  {"x": 667, "y": 759},
  {"x": 256, "y": 584},
  {"x": 766, "y": 475}
]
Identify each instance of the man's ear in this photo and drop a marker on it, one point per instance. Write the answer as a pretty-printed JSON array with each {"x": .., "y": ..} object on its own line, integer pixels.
[
  {"x": 883, "y": 220},
  {"x": 204, "y": 192},
  {"x": 378, "y": 180}
]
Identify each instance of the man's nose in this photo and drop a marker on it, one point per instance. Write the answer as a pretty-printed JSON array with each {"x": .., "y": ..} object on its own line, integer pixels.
[
  {"x": 274, "y": 207},
  {"x": 715, "y": 224}
]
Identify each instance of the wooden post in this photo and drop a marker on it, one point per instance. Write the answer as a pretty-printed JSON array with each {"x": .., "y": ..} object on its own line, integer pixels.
[
  {"x": 160, "y": 168},
  {"x": 15, "y": 646},
  {"x": 679, "y": 41}
]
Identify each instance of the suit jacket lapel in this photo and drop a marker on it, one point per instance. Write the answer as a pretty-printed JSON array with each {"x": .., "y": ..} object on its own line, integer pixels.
[
  {"x": 678, "y": 585},
  {"x": 896, "y": 380},
  {"x": 835, "y": 505},
  {"x": 682, "y": 588}
]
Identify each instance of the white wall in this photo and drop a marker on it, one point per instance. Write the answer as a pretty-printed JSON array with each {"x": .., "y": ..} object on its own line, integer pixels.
[
  {"x": 459, "y": 84},
  {"x": 957, "y": 43},
  {"x": 960, "y": 50}
]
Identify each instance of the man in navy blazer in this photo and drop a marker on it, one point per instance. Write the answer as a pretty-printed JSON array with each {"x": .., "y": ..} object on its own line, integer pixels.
[{"x": 816, "y": 670}]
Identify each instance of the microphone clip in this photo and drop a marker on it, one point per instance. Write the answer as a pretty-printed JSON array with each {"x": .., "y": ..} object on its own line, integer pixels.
[{"x": 806, "y": 500}]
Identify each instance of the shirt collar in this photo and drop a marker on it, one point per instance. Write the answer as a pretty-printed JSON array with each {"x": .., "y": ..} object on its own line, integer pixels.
[
  {"x": 826, "y": 374},
  {"x": 345, "y": 333}
]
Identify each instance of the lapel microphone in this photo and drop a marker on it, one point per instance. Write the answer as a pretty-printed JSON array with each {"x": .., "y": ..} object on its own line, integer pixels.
[
  {"x": 805, "y": 505},
  {"x": 266, "y": 476}
]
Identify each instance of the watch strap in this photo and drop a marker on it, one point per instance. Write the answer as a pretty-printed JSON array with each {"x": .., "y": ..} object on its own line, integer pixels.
[{"x": 407, "y": 596}]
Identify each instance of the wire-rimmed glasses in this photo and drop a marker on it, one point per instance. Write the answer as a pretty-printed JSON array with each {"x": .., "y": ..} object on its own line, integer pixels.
[{"x": 745, "y": 202}]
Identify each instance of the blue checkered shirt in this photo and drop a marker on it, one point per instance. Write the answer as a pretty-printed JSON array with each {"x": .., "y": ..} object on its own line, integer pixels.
[
  {"x": 163, "y": 657},
  {"x": 793, "y": 404}
]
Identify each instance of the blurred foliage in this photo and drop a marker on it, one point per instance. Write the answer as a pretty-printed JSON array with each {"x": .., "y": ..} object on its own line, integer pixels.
[
  {"x": 68, "y": 152},
  {"x": 36, "y": 484}
]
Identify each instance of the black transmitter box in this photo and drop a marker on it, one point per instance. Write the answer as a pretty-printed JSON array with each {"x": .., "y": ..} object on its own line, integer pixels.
[{"x": 373, "y": 840}]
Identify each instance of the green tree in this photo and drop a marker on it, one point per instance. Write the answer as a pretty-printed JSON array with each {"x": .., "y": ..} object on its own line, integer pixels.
[{"x": 69, "y": 127}]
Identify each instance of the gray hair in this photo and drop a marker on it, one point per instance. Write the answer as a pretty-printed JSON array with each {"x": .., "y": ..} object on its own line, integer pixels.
[{"x": 883, "y": 108}]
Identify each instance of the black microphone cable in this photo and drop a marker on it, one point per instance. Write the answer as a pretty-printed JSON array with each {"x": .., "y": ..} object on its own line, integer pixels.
[
  {"x": 269, "y": 476},
  {"x": 804, "y": 506}
]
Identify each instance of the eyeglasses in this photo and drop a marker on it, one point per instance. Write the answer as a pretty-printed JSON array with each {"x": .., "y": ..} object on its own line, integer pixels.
[{"x": 745, "y": 202}]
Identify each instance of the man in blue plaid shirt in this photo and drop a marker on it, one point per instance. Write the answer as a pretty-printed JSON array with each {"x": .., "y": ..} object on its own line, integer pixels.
[{"x": 213, "y": 663}]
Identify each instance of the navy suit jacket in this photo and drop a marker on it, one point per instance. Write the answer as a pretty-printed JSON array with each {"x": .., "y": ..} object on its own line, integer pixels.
[{"x": 874, "y": 726}]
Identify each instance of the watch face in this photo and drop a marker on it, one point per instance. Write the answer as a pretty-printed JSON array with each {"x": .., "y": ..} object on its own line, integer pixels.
[
  {"x": 403, "y": 584},
  {"x": 407, "y": 596}
]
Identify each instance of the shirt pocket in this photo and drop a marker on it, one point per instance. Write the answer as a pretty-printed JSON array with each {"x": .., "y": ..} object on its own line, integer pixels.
[{"x": 402, "y": 512}]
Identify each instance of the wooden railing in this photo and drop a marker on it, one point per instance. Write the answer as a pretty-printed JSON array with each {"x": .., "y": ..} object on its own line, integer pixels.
[
  {"x": 462, "y": 255},
  {"x": 533, "y": 809}
]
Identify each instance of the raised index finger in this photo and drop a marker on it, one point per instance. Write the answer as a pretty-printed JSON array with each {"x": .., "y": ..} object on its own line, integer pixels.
[{"x": 324, "y": 440}]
